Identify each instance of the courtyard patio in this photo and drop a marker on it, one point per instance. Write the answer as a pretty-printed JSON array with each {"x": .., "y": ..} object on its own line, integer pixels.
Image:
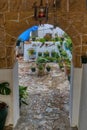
[{"x": 48, "y": 100}]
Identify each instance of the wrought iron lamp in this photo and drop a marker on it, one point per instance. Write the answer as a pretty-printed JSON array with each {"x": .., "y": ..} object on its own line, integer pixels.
[{"x": 41, "y": 12}]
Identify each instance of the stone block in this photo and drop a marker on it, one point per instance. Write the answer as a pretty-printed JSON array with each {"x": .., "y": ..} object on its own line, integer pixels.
[
  {"x": 11, "y": 16},
  {"x": 3, "y": 5},
  {"x": 3, "y": 63},
  {"x": 10, "y": 41},
  {"x": 2, "y": 52}
]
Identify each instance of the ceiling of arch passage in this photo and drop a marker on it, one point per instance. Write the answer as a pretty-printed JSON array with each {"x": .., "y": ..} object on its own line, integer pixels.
[{"x": 17, "y": 15}]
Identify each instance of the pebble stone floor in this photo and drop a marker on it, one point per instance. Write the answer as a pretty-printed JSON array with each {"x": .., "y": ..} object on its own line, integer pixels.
[{"x": 48, "y": 100}]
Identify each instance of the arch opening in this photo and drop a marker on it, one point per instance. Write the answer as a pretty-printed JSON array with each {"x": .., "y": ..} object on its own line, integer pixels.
[{"x": 50, "y": 81}]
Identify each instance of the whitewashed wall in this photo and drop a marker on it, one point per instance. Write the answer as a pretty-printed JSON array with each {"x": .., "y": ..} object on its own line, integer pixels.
[{"x": 38, "y": 49}]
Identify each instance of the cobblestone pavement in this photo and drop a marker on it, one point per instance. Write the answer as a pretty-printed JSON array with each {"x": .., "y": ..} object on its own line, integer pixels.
[{"x": 48, "y": 101}]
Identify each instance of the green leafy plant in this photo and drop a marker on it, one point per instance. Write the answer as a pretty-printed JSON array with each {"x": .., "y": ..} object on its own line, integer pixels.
[
  {"x": 54, "y": 53},
  {"x": 40, "y": 67},
  {"x": 48, "y": 37},
  {"x": 4, "y": 88},
  {"x": 46, "y": 53},
  {"x": 61, "y": 65},
  {"x": 68, "y": 42},
  {"x": 31, "y": 51},
  {"x": 23, "y": 94},
  {"x": 63, "y": 54},
  {"x": 42, "y": 40},
  {"x": 41, "y": 60}
]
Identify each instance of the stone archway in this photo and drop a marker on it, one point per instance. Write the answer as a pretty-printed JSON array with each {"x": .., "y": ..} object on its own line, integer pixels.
[
  {"x": 15, "y": 18},
  {"x": 13, "y": 28},
  {"x": 17, "y": 15}
]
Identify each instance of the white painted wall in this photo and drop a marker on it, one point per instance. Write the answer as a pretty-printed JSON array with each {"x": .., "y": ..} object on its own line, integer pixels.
[
  {"x": 16, "y": 111},
  {"x": 38, "y": 49},
  {"x": 48, "y": 28},
  {"x": 11, "y": 76},
  {"x": 75, "y": 93},
  {"x": 83, "y": 103}
]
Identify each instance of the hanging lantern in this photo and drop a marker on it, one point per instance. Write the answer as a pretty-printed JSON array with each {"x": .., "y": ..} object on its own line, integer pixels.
[{"x": 41, "y": 12}]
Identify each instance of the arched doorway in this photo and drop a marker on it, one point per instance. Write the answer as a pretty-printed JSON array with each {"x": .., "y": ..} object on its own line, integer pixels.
[
  {"x": 68, "y": 19},
  {"x": 44, "y": 89}
]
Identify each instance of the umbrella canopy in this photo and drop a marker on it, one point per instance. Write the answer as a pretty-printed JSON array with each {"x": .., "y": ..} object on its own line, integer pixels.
[{"x": 26, "y": 34}]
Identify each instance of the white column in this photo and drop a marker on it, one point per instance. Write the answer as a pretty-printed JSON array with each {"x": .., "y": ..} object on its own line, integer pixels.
[
  {"x": 83, "y": 103},
  {"x": 75, "y": 92},
  {"x": 12, "y": 100}
]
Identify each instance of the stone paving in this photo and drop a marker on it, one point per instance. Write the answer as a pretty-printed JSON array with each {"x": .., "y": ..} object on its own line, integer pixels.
[{"x": 48, "y": 101}]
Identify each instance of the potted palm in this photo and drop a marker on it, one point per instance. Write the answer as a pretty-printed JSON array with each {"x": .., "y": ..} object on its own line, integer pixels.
[{"x": 4, "y": 90}]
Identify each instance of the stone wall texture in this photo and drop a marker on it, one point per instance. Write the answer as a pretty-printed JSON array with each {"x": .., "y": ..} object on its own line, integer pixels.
[{"x": 17, "y": 15}]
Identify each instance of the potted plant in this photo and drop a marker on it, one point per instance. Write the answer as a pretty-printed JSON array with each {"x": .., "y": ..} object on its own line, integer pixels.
[
  {"x": 53, "y": 53},
  {"x": 48, "y": 68},
  {"x": 41, "y": 60},
  {"x": 4, "y": 90},
  {"x": 46, "y": 54},
  {"x": 41, "y": 68},
  {"x": 67, "y": 66},
  {"x": 31, "y": 51},
  {"x": 39, "y": 53},
  {"x": 23, "y": 94},
  {"x": 33, "y": 69},
  {"x": 61, "y": 65}
]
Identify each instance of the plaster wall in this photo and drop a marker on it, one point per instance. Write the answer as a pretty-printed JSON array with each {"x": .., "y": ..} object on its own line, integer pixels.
[
  {"x": 83, "y": 103},
  {"x": 12, "y": 100},
  {"x": 75, "y": 93}
]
